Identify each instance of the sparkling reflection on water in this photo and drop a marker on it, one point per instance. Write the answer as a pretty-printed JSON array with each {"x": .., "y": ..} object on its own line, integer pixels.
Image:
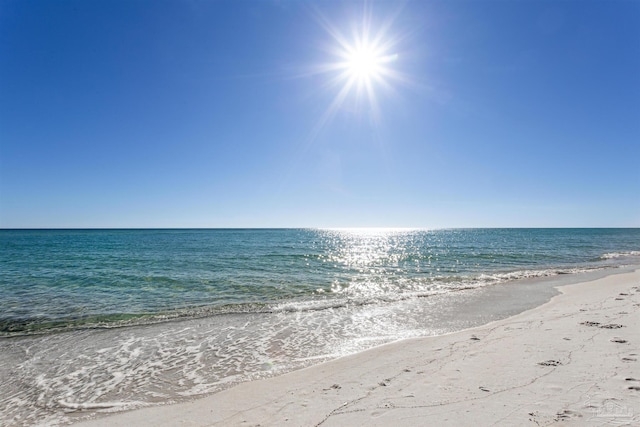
[{"x": 235, "y": 305}]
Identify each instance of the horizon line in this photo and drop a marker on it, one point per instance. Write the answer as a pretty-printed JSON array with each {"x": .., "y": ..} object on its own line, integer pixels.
[{"x": 320, "y": 228}]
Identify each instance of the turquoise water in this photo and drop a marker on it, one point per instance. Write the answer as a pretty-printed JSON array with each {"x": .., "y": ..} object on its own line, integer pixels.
[
  {"x": 95, "y": 321},
  {"x": 70, "y": 278}
]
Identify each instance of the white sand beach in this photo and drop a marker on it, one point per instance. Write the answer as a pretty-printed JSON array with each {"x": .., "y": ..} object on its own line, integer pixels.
[{"x": 572, "y": 361}]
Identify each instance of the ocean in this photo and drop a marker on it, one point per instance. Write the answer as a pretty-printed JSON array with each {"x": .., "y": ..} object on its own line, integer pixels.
[{"x": 98, "y": 321}]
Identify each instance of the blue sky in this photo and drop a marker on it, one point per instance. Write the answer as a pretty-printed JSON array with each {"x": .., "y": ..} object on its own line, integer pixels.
[{"x": 228, "y": 114}]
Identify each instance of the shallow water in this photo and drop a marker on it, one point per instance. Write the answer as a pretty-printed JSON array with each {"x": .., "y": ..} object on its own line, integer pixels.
[{"x": 102, "y": 320}]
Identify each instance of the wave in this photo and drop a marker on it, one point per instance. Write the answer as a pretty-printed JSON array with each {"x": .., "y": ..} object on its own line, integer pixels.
[
  {"x": 350, "y": 296},
  {"x": 614, "y": 255},
  {"x": 12, "y": 327},
  {"x": 532, "y": 274},
  {"x": 100, "y": 405}
]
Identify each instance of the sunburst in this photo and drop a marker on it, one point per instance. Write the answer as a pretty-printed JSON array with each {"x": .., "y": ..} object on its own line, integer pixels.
[{"x": 363, "y": 64}]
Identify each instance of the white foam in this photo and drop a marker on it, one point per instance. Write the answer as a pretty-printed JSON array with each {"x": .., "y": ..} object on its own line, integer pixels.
[
  {"x": 614, "y": 255},
  {"x": 97, "y": 405},
  {"x": 117, "y": 369}
]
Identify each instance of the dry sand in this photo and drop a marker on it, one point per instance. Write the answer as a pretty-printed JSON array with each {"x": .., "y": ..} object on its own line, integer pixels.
[{"x": 572, "y": 361}]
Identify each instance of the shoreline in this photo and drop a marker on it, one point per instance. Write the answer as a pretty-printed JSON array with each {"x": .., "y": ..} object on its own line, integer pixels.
[{"x": 566, "y": 360}]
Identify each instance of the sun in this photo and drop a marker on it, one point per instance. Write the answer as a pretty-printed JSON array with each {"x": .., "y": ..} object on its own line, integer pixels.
[{"x": 365, "y": 63}]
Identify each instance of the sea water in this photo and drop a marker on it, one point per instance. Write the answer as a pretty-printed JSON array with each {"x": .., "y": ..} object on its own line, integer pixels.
[{"x": 95, "y": 321}]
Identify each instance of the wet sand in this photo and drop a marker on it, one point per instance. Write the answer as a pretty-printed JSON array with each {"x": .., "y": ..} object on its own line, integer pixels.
[{"x": 572, "y": 361}]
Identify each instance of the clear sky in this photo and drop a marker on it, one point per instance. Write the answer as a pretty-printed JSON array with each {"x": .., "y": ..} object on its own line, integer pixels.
[{"x": 319, "y": 114}]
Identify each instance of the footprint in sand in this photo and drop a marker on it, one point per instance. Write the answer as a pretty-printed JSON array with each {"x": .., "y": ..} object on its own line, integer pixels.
[
  {"x": 589, "y": 323},
  {"x": 607, "y": 326},
  {"x": 611, "y": 326},
  {"x": 385, "y": 382},
  {"x": 550, "y": 363},
  {"x": 566, "y": 414},
  {"x": 333, "y": 387}
]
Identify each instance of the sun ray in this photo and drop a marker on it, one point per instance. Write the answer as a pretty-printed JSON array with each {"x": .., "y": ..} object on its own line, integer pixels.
[
  {"x": 356, "y": 87},
  {"x": 362, "y": 66},
  {"x": 364, "y": 63}
]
